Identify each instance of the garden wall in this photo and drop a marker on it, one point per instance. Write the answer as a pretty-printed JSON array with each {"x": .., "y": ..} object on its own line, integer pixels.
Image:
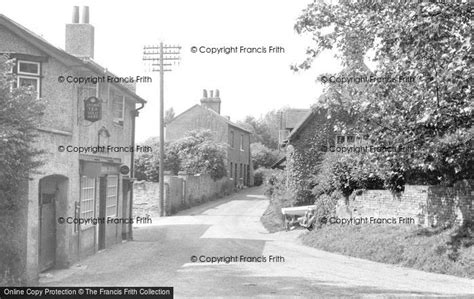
[
  {"x": 184, "y": 191},
  {"x": 427, "y": 205}
]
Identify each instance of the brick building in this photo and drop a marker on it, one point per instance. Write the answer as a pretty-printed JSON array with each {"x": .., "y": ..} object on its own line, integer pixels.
[
  {"x": 72, "y": 184},
  {"x": 207, "y": 116}
]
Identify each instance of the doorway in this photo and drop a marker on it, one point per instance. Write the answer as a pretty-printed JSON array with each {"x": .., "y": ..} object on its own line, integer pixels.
[{"x": 52, "y": 199}]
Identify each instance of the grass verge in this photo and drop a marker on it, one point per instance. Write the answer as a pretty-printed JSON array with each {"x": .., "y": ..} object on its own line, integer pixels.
[
  {"x": 272, "y": 219},
  {"x": 408, "y": 246}
]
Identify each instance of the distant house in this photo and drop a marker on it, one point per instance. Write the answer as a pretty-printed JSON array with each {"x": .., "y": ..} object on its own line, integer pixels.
[
  {"x": 308, "y": 133},
  {"x": 72, "y": 185},
  {"x": 207, "y": 116},
  {"x": 289, "y": 120}
]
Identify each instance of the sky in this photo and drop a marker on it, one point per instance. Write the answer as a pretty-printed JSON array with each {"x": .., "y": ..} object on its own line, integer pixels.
[{"x": 249, "y": 83}]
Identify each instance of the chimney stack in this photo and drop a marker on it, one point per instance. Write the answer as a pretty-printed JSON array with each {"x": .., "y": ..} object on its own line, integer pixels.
[
  {"x": 80, "y": 36},
  {"x": 213, "y": 102}
]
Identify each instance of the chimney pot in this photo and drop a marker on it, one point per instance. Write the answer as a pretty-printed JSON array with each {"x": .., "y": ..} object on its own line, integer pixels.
[
  {"x": 75, "y": 14},
  {"x": 85, "y": 15},
  {"x": 204, "y": 93},
  {"x": 80, "y": 36},
  {"x": 217, "y": 93},
  {"x": 211, "y": 102}
]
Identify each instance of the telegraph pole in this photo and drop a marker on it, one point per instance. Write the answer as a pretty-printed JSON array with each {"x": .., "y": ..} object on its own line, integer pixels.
[{"x": 169, "y": 54}]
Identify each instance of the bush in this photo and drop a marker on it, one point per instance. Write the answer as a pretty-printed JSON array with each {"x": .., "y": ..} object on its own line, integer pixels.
[
  {"x": 275, "y": 182},
  {"x": 258, "y": 177},
  {"x": 325, "y": 207},
  {"x": 346, "y": 173},
  {"x": 20, "y": 115},
  {"x": 262, "y": 156},
  {"x": 197, "y": 153}
]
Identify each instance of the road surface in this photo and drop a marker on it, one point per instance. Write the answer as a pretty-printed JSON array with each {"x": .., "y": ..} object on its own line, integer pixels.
[{"x": 162, "y": 252}]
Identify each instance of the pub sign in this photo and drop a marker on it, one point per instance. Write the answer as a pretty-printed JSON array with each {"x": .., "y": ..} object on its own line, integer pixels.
[{"x": 92, "y": 109}]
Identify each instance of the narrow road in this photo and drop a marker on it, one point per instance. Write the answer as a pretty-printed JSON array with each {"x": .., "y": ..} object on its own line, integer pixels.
[{"x": 161, "y": 254}]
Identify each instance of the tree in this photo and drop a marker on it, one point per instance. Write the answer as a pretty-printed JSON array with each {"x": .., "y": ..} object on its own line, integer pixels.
[
  {"x": 265, "y": 129},
  {"x": 432, "y": 114},
  {"x": 20, "y": 114},
  {"x": 262, "y": 156},
  {"x": 198, "y": 153},
  {"x": 147, "y": 163},
  {"x": 169, "y": 115}
]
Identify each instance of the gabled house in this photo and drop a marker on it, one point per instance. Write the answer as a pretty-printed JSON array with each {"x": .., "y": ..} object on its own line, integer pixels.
[
  {"x": 207, "y": 116},
  {"x": 86, "y": 131},
  {"x": 289, "y": 120},
  {"x": 316, "y": 131}
]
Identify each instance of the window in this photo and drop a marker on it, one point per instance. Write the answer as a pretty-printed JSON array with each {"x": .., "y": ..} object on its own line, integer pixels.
[
  {"x": 241, "y": 142},
  {"x": 112, "y": 192},
  {"x": 231, "y": 169},
  {"x": 118, "y": 102},
  {"x": 240, "y": 176},
  {"x": 232, "y": 139},
  {"x": 87, "y": 197},
  {"x": 28, "y": 75},
  {"x": 340, "y": 139}
]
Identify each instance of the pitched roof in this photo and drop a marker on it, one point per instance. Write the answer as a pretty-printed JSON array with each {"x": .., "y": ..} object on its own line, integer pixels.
[
  {"x": 214, "y": 113},
  {"x": 300, "y": 126},
  {"x": 294, "y": 116},
  {"x": 354, "y": 68},
  {"x": 279, "y": 164},
  {"x": 61, "y": 55}
]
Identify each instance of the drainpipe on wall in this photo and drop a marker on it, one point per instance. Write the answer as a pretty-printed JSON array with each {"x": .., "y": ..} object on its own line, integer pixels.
[{"x": 132, "y": 169}]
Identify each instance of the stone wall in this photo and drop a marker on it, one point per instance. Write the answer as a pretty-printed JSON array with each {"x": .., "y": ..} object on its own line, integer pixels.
[
  {"x": 184, "y": 191},
  {"x": 427, "y": 205}
]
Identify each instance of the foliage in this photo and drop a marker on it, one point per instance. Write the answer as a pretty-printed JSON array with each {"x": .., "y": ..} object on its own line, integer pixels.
[
  {"x": 262, "y": 156},
  {"x": 275, "y": 182},
  {"x": 348, "y": 172},
  {"x": 169, "y": 115},
  {"x": 429, "y": 41},
  {"x": 304, "y": 157},
  {"x": 406, "y": 246},
  {"x": 147, "y": 163},
  {"x": 258, "y": 177},
  {"x": 265, "y": 129},
  {"x": 197, "y": 153},
  {"x": 20, "y": 114},
  {"x": 325, "y": 207}
]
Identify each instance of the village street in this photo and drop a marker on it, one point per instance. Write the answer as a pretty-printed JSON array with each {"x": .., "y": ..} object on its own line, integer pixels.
[{"x": 161, "y": 254}]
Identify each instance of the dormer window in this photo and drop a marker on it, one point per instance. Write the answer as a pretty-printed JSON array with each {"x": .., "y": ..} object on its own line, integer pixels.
[{"x": 29, "y": 75}]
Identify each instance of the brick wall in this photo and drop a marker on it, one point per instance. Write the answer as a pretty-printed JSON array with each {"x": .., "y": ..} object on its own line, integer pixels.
[{"x": 427, "y": 205}]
